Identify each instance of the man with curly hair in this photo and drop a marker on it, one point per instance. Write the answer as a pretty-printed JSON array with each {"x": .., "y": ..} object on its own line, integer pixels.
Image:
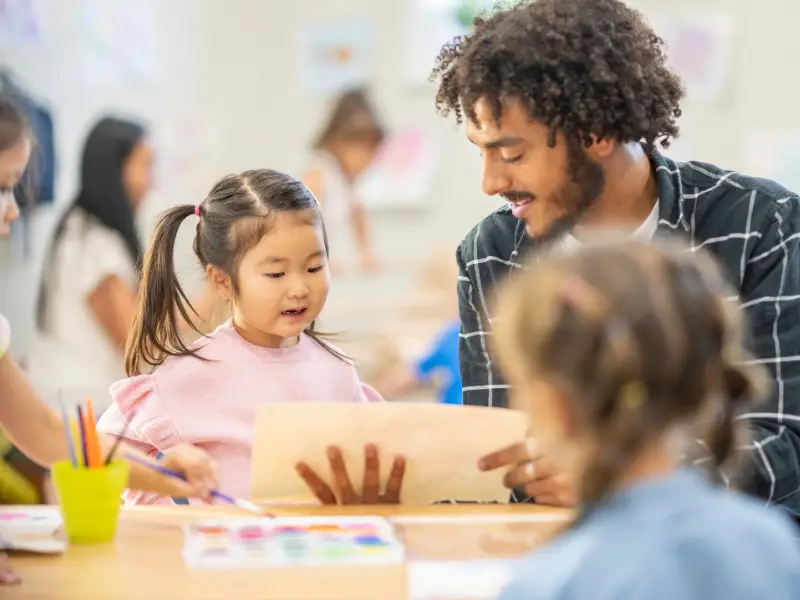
[{"x": 569, "y": 101}]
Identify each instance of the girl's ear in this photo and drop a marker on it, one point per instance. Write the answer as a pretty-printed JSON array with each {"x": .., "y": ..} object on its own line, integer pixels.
[{"x": 221, "y": 282}]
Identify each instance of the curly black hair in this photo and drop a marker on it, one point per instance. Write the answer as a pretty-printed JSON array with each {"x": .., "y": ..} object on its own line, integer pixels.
[{"x": 586, "y": 67}]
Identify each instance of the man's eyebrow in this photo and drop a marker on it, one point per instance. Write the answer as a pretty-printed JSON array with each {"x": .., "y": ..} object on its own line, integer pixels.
[{"x": 503, "y": 142}]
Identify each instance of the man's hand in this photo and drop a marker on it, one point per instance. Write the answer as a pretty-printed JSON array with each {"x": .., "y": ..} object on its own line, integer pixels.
[
  {"x": 343, "y": 491},
  {"x": 530, "y": 470}
]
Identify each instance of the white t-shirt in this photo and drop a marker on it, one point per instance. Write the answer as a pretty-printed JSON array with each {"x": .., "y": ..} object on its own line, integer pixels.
[
  {"x": 75, "y": 355},
  {"x": 644, "y": 232},
  {"x": 337, "y": 201}
]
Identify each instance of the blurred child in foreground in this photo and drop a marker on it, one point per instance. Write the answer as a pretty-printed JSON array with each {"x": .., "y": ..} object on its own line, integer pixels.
[{"x": 625, "y": 355}]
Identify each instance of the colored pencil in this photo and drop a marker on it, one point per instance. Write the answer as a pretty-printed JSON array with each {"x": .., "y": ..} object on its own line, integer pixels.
[
  {"x": 76, "y": 435},
  {"x": 117, "y": 440},
  {"x": 73, "y": 458},
  {"x": 82, "y": 430},
  {"x": 243, "y": 504},
  {"x": 95, "y": 453}
]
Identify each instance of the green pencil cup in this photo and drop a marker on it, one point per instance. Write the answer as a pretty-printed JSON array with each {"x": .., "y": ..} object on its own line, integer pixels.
[{"x": 90, "y": 500}]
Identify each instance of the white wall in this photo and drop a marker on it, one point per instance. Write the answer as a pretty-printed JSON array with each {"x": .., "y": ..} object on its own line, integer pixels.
[{"x": 231, "y": 65}]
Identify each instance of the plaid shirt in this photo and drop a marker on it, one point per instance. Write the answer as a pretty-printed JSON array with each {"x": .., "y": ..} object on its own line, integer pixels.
[{"x": 752, "y": 226}]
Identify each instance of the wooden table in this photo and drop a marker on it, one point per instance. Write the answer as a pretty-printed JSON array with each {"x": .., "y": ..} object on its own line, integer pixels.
[{"x": 145, "y": 562}]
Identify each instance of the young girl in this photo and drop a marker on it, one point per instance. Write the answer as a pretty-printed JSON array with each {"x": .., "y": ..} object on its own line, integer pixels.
[
  {"x": 87, "y": 296},
  {"x": 624, "y": 355},
  {"x": 24, "y": 417},
  {"x": 342, "y": 152},
  {"x": 261, "y": 241}
]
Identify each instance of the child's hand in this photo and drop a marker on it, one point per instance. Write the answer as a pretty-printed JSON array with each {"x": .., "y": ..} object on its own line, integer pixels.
[
  {"x": 7, "y": 574},
  {"x": 345, "y": 493},
  {"x": 198, "y": 467}
]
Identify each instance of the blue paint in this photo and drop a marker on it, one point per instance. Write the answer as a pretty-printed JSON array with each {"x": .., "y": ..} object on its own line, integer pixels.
[{"x": 370, "y": 540}]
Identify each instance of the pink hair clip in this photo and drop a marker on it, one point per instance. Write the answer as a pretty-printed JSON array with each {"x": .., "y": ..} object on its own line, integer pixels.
[{"x": 197, "y": 211}]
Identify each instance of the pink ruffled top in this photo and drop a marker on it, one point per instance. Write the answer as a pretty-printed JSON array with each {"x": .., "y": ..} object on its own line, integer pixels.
[{"x": 212, "y": 403}]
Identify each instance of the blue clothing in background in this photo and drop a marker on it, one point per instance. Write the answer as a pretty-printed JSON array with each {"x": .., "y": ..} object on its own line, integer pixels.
[
  {"x": 442, "y": 359},
  {"x": 676, "y": 538}
]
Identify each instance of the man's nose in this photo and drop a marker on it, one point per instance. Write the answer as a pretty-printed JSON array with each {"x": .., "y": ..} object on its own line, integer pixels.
[{"x": 494, "y": 178}]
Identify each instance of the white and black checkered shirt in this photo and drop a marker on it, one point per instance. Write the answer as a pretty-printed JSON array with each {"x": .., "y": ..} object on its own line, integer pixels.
[{"x": 752, "y": 226}]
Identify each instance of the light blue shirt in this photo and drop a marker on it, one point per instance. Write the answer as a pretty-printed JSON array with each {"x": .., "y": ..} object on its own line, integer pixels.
[{"x": 676, "y": 538}]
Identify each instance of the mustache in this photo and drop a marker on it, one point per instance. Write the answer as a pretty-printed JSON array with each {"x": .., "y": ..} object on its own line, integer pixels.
[{"x": 517, "y": 196}]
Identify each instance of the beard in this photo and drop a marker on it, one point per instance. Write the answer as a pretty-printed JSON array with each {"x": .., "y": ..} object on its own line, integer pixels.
[{"x": 580, "y": 192}]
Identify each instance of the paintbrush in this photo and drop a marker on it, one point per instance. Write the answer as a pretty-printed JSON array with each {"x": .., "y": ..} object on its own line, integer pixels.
[
  {"x": 118, "y": 437},
  {"x": 243, "y": 504},
  {"x": 117, "y": 440}
]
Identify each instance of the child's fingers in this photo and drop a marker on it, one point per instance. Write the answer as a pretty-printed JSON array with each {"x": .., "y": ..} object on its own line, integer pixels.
[
  {"x": 197, "y": 466},
  {"x": 192, "y": 487},
  {"x": 203, "y": 470}
]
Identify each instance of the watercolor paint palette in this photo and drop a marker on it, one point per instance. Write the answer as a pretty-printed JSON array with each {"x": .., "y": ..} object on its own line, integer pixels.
[
  {"x": 32, "y": 530},
  {"x": 291, "y": 541}
]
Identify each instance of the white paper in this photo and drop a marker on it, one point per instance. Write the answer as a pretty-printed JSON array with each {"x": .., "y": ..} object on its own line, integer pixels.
[
  {"x": 20, "y": 23},
  {"x": 441, "y": 444},
  {"x": 428, "y": 580},
  {"x": 335, "y": 56}
]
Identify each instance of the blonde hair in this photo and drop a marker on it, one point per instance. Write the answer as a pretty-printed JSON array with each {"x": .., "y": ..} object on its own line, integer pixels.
[{"x": 640, "y": 339}]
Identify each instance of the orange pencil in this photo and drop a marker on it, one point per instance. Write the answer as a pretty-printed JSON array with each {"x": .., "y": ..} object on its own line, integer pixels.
[{"x": 92, "y": 441}]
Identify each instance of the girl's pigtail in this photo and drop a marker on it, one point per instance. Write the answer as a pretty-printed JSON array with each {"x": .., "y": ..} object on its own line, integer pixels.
[{"x": 161, "y": 302}]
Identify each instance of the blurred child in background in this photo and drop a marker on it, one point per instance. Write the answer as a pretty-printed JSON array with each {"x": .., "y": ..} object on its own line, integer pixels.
[
  {"x": 87, "y": 298},
  {"x": 261, "y": 240},
  {"x": 25, "y": 419},
  {"x": 624, "y": 355},
  {"x": 347, "y": 145}
]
